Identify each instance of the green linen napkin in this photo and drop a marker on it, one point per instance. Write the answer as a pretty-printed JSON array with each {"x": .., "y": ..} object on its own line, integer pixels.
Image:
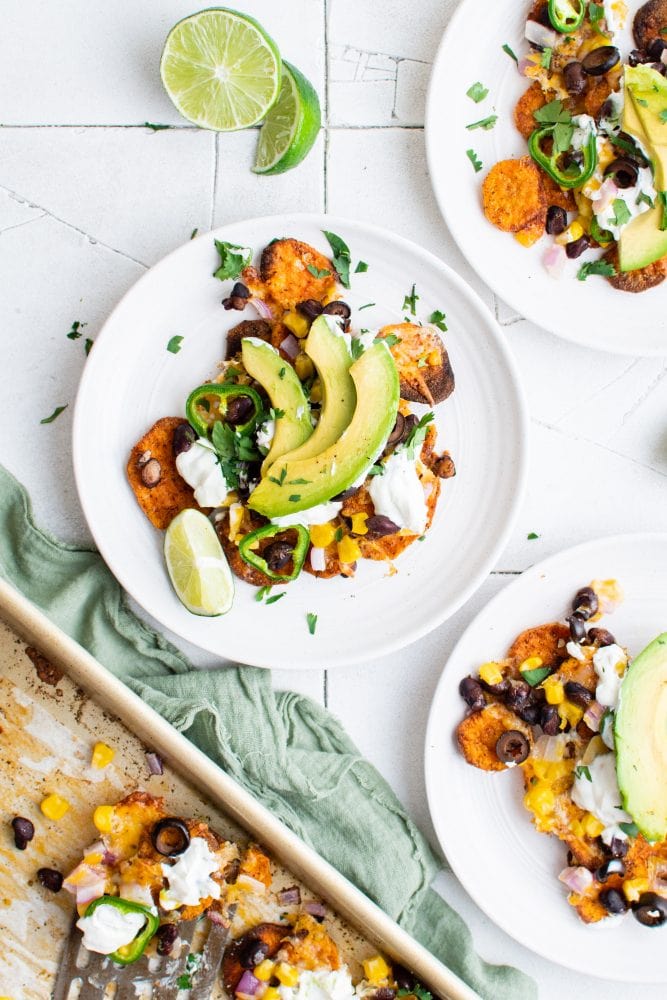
[{"x": 283, "y": 748}]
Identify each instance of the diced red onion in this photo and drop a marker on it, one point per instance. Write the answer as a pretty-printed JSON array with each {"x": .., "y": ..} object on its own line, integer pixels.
[
  {"x": 657, "y": 875},
  {"x": 260, "y": 307},
  {"x": 318, "y": 559},
  {"x": 96, "y": 848},
  {"x": 109, "y": 858},
  {"x": 549, "y": 748},
  {"x": 84, "y": 876},
  {"x": 593, "y": 715},
  {"x": 576, "y": 879},
  {"x": 606, "y": 195},
  {"x": 86, "y": 894},
  {"x": 290, "y": 897},
  {"x": 251, "y": 883},
  {"x": 539, "y": 34},
  {"x": 290, "y": 346},
  {"x": 315, "y": 909},
  {"x": 247, "y": 985},
  {"x": 554, "y": 260},
  {"x": 154, "y": 762},
  {"x": 525, "y": 63}
]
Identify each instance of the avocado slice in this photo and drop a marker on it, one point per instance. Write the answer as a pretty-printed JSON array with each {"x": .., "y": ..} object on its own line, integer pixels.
[
  {"x": 291, "y": 486},
  {"x": 329, "y": 349},
  {"x": 282, "y": 386},
  {"x": 640, "y": 733},
  {"x": 642, "y": 242}
]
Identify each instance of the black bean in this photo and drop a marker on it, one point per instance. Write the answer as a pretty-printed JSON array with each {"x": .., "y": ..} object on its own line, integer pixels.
[
  {"x": 624, "y": 170},
  {"x": 277, "y": 555},
  {"x": 380, "y": 525},
  {"x": 240, "y": 291},
  {"x": 550, "y": 720},
  {"x": 237, "y": 302},
  {"x": 599, "y": 61},
  {"x": 656, "y": 48},
  {"x": 613, "y": 867},
  {"x": 575, "y": 78},
  {"x": 252, "y": 953},
  {"x": 403, "y": 978},
  {"x": 651, "y": 910},
  {"x": 239, "y": 410},
  {"x": 556, "y": 220},
  {"x": 24, "y": 831},
  {"x": 50, "y": 879},
  {"x": 472, "y": 693},
  {"x": 601, "y": 637},
  {"x": 618, "y": 847},
  {"x": 337, "y": 308},
  {"x": 613, "y": 901},
  {"x": 575, "y": 248},
  {"x": 167, "y": 935},
  {"x": 585, "y": 602},
  {"x": 530, "y": 713},
  {"x": 512, "y": 747},
  {"x": 183, "y": 439},
  {"x": 578, "y": 694},
  {"x": 636, "y": 57},
  {"x": 310, "y": 308},
  {"x": 384, "y": 993},
  {"x": 518, "y": 695},
  {"x": 397, "y": 433},
  {"x": 151, "y": 473},
  {"x": 577, "y": 627},
  {"x": 499, "y": 690}
]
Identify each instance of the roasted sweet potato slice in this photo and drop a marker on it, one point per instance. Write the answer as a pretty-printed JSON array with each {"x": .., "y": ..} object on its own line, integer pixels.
[
  {"x": 258, "y": 328},
  {"x": 526, "y": 106},
  {"x": 291, "y": 272},
  {"x": 636, "y": 281},
  {"x": 422, "y": 362},
  {"x": 479, "y": 732},
  {"x": 310, "y": 946},
  {"x": 546, "y": 641},
  {"x": 597, "y": 93},
  {"x": 513, "y": 194},
  {"x": 555, "y": 195},
  {"x": 271, "y": 936},
  {"x": 257, "y": 864},
  {"x": 649, "y": 22},
  {"x": 533, "y": 232},
  {"x": 172, "y": 494}
]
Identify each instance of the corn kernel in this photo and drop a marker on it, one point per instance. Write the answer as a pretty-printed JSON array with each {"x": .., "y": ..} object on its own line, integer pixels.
[
  {"x": 591, "y": 825},
  {"x": 573, "y": 232},
  {"x": 264, "y": 970},
  {"x": 322, "y": 535},
  {"x": 528, "y": 237},
  {"x": 359, "y": 523},
  {"x": 303, "y": 366},
  {"x": 532, "y": 663},
  {"x": 540, "y": 799},
  {"x": 93, "y": 859},
  {"x": 102, "y": 818},
  {"x": 554, "y": 690},
  {"x": 54, "y": 806},
  {"x": 433, "y": 359},
  {"x": 271, "y": 993},
  {"x": 490, "y": 673},
  {"x": 102, "y": 755},
  {"x": 569, "y": 712},
  {"x": 634, "y": 887},
  {"x": 348, "y": 550},
  {"x": 376, "y": 969},
  {"x": 287, "y": 974},
  {"x": 297, "y": 323}
]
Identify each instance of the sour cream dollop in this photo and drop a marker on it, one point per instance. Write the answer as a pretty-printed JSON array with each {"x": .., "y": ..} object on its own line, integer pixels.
[
  {"x": 200, "y": 469},
  {"x": 265, "y": 435},
  {"x": 322, "y": 984},
  {"x": 320, "y": 514},
  {"x": 189, "y": 880},
  {"x": 107, "y": 928},
  {"x": 398, "y": 494},
  {"x": 606, "y": 662},
  {"x": 600, "y": 795}
]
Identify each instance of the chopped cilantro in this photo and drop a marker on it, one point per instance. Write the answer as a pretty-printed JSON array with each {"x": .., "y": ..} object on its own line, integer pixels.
[
  {"x": 192, "y": 961},
  {"x": 294, "y": 497},
  {"x": 552, "y": 113},
  {"x": 281, "y": 480},
  {"x": 418, "y": 991},
  {"x": 234, "y": 449},
  {"x": 230, "y": 374},
  {"x": 174, "y": 344},
  {"x": 262, "y": 592},
  {"x": 629, "y": 829},
  {"x": 361, "y": 267},
  {"x": 582, "y": 771},
  {"x": 338, "y": 535},
  {"x": 416, "y": 436},
  {"x": 312, "y": 622},
  {"x": 663, "y": 115},
  {"x": 369, "y": 305},
  {"x": 643, "y": 198},
  {"x": 56, "y": 413},
  {"x": 376, "y": 470},
  {"x": 545, "y": 58},
  {"x": 642, "y": 101},
  {"x": 356, "y": 348},
  {"x": 276, "y": 414},
  {"x": 281, "y": 373},
  {"x": 485, "y": 123},
  {"x": 601, "y": 267},
  {"x": 390, "y": 340},
  {"x": 438, "y": 319},
  {"x": 595, "y": 15},
  {"x": 421, "y": 538},
  {"x": 76, "y": 329},
  {"x": 316, "y": 273},
  {"x": 184, "y": 982},
  {"x": 410, "y": 301},
  {"x": 87, "y": 346},
  {"x": 233, "y": 259},
  {"x": 299, "y": 482},
  {"x": 508, "y": 51},
  {"x": 341, "y": 257},
  {"x": 662, "y": 200},
  {"x": 477, "y": 92},
  {"x": 276, "y": 597},
  {"x": 532, "y": 536},
  {"x": 193, "y": 233},
  {"x": 154, "y": 127},
  {"x": 621, "y": 212},
  {"x": 474, "y": 159},
  {"x": 421, "y": 363}
]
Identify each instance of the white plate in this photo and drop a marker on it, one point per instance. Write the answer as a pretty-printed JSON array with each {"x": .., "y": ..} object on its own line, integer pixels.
[
  {"x": 131, "y": 379},
  {"x": 508, "y": 868},
  {"x": 591, "y": 313}
]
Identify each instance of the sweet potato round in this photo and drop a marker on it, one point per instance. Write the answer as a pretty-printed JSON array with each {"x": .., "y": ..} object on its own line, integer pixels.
[
  {"x": 513, "y": 194},
  {"x": 649, "y": 21}
]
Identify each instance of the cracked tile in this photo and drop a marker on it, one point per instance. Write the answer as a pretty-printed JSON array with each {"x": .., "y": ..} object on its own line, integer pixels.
[
  {"x": 398, "y": 29},
  {"x": 411, "y": 87},
  {"x": 14, "y": 214}
]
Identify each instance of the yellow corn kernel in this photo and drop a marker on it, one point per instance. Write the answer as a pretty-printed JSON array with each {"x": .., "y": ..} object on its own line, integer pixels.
[
  {"x": 376, "y": 969},
  {"x": 102, "y": 818},
  {"x": 532, "y": 663},
  {"x": 316, "y": 391},
  {"x": 573, "y": 232},
  {"x": 235, "y": 521},
  {"x": 359, "y": 523},
  {"x": 102, "y": 755},
  {"x": 554, "y": 691},
  {"x": 490, "y": 673},
  {"x": 433, "y": 359},
  {"x": 93, "y": 859},
  {"x": 287, "y": 974},
  {"x": 54, "y": 806},
  {"x": 348, "y": 550},
  {"x": 303, "y": 366},
  {"x": 577, "y": 829},
  {"x": 540, "y": 799},
  {"x": 264, "y": 970},
  {"x": 271, "y": 993},
  {"x": 232, "y": 497},
  {"x": 527, "y": 237},
  {"x": 634, "y": 887},
  {"x": 297, "y": 323},
  {"x": 591, "y": 825},
  {"x": 322, "y": 535},
  {"x": 569, "y": 712}
]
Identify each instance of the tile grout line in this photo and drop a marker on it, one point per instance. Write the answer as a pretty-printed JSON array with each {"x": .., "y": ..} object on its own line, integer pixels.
[{"x": 193, "y": 128}]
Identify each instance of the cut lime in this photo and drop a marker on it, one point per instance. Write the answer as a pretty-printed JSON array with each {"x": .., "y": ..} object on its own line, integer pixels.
[
  {"x": 291, "y": 126},
  {"x": 221, "y": 69},
  {"x": 197, "y": 566}
]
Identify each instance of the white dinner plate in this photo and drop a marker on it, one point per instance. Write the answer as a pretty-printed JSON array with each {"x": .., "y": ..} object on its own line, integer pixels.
[
  {"x": 510, "y": 869},
  {"x": 591, "y": 313},
  {"x": 130, "y": 380}
]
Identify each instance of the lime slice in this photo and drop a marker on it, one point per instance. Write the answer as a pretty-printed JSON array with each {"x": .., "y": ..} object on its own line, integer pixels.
[
  {"x": 221, "y": 69},
  {"x": 197, "y": 566},
  {"x": 291, "y": 126}
]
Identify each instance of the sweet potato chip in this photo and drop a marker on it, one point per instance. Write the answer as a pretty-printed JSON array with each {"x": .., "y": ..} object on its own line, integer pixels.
[
  {"x": 172, "y": 494},
  {"x": 422, "y": 362},
  {"x": 526, "y": 106},
  {"x": 291, "y": 272},
  {"x": 513, "y": 194},
  {"x": 479, "y": 732}
]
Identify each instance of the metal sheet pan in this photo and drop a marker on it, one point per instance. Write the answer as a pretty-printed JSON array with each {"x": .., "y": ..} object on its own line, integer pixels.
[{"x": 51, "y": 712}]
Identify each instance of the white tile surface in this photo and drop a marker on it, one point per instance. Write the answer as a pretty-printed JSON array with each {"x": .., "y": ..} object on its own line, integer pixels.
[{"x": 84, "y": 209}]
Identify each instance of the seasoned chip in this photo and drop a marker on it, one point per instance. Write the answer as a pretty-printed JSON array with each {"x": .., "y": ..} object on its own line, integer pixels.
[
  {"x": 555, "y": 195},
  {"x": 422, "y": 362},
  {"x": 259, "y": 328},
  {"x": 533, "y": 232},
  {"x": 597, "y": 93},
  {"x": 479, "y": 732},
  {"x": 171, "y": 495},
  {"x": 526, "y": 106},
  {"x": 546, "y": 641},
  {"x": 270, "y": 936},
  {"x": 291, "y": 272},
  {"x": 639, "y": 280},
  {"x": 310, "y": 946},
  {"x": 649, "y": 23},
  {"x": 513, "y": 194}
]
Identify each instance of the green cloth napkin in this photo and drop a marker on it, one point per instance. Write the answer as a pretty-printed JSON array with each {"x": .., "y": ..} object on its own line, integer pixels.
[{"x": 284, "y": 749}]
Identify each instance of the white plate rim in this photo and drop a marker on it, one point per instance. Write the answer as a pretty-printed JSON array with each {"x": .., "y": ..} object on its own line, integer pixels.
[{"x": 326, "y": 221}]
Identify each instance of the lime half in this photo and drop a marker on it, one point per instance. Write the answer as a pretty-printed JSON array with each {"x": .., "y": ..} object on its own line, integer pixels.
[
  {"x": 291, "y": 126},
  {"x": 197, "y": 565},
  {"x": 221, "y": 69}
]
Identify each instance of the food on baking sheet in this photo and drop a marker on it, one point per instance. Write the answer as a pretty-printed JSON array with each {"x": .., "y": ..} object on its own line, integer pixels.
[
  {"x": 304, "y": 450},
  {"x": 584, "y": 724}
]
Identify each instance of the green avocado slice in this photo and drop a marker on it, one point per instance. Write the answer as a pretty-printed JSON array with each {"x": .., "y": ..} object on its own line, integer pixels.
[
  {"x": 291, "y": 486},
  {"x": 642, "y": 242},
  {"x": 329, "y": 349},
  {"x": 282, "y": 386},
  {"x": 640, "y": 734}
]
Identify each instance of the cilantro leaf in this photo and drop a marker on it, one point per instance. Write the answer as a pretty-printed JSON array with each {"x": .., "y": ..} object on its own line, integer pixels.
[
  {"x": 474, "y": 159},
  {"x": 274, "y": 598},
  {"x": 562, "y": 136},
  {"x": 621, "y": 212},
  {"x": 438, "y": 319},
  {"x": 477, "y": 92},
  {"x": 262, "y": 592},
  {"x": 629, "y": 829},
  {"x": 193, "y": 233},
  {"x": 369, "y": 305},
  {"x": 410, "y": 301},
  {"x": 553, "y": 113},
  {"x": 341, "y": 257},
  {"x": 582, "y": 771},
  {"x": 416, "y": 436},
  {"x": 76, "y": 329},
  {"x": 356, "y": 348},
  {"x": 56, "y": 413},
  {"x": 312, "y": 622},
  {"x": 316, "y": 273},
  {"x": 174, "y": 344},
  {"x": 663, "y": 115},
  {"x": 508, "y": 51},
  {"x": 601, "y": 267},
  {"x": 532, "y": 536},
  {"x": 418, "y": 991},
  {"x": 485, "y": 123},
  {"x": 643, "y": 198},
  {"x": 390, "y": 340},
  {"x": 376, "y": 470},
  {"x": 294, "y": 497},
  {"x": 87, "y": 346},
  {"x": 233, "y": 259},
  {"x": 361, "y": 267},
  {"x": 545, "y": 58}
]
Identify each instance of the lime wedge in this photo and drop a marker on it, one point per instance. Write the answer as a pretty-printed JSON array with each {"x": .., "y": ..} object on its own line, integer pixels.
[
  {"x": 291, "y": 126},
  {"x": 221, "y": 69},
  {"x": 197, "y": 566}
]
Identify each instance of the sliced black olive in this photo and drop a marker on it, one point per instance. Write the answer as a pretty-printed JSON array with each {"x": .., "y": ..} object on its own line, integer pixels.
[
  {"x": 613, "y": 867},
  {"x": 337, "y": 308},
  {"x": 578, "y": 694},
  {"x": 183, "y": 439},
  {"x": 556, "y": 220},
  {"x": 403, "y": 978},
  {"x": 310, "y": 308},
  {"x": 600, "y": 61},
  {"x": 613, "y": 901},
  {"x": 618, "y": 847},
  {"x": 651, "y": 910},
  {"x": 472, "y": 693},
  {"x": 50, "y": 879},
  {"x": 575, "y": 78},
  {"x": 512, "y": 747},
  {"x": 277, "y": 555},
  {"x": 170, "y": 836},
  {"x": 397, "y": 432},
  {"x": 585, "y": 602},
  {"x": 577, "y": 627},
  {"x": 624, "y": 170},
  {"x": 601, "y": 636},
  {"x": 575, "y": 248}
]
